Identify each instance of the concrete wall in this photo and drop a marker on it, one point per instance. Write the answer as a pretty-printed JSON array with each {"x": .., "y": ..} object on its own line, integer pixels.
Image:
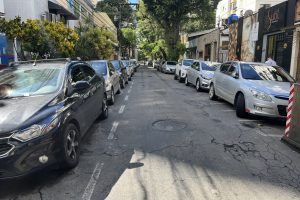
[
  {"x": 29, "y": 9},
  {"x": 1, "y": 6},
  {"x": 212, "y": 39}
]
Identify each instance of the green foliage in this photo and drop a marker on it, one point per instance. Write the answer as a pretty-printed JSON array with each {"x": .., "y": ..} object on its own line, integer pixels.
[
  {"x": 150, "y": 36},
  {"x": 94, "y": 43},
  {"x": 130, "y": 36},
  {"x": 115, "y": 7},
  {"x": 171, "y": 14},
  {"x": 42, "y": 38}
]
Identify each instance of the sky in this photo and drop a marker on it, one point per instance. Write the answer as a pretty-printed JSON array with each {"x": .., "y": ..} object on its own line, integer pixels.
[{"x": 133, "y": 1}]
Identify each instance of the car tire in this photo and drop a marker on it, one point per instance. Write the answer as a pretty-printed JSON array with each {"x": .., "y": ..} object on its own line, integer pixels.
[
  {"x": 126, "y": 82},
  {"x": 104, "y": 110},
  {"x": 186, "y": 81},
  {"x": 241, "y": 106},
  {"x": 198, "y": 86},
  {"x": 175, "y": 76},
  {"x": 119, "y": 90},
  {"x": 112, "y": 98},
  {"x": 123, "y": 84},
  {"x": 212, "y": 93},
  {"x": 129, "y": 78},
  {"x": 70, "y": 145}
]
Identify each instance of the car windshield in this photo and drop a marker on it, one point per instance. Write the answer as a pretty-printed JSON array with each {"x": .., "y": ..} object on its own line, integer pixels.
[
  {"x": 125, "y": 63},
  {"x": 116, "y": 64},
  {"x": 187, "y": 62},
  {"x": 100, "y": 68},
  {"x": 171, "y": 63},
  {"x": 264, "y": 72},
  {"x": 22, "y": 82},
  {"x": 208, "y": 66}
]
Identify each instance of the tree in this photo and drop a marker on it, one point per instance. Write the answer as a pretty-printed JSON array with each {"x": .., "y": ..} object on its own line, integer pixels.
[
  {"x": 115, "y": 7},
  {"x": 150, "y": 35},
  {"x": 170, "y": 15},
  {"x": 94, "y": 43},
  {"x": 130, "y": 39},
  {"x": 41, "y": 38}
]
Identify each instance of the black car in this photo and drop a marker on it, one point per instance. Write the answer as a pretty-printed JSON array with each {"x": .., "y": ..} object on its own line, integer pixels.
[
  {"x": 45, "y": 109},
  {"x": 118, "y": 65}
]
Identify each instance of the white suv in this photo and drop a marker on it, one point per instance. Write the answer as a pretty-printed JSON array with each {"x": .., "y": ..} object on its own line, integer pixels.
[{"x": 180, "y": 72}]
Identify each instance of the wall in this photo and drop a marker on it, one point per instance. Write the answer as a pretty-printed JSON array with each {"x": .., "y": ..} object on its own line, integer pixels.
[
  {"x": 248, "y": 44},
  {"x": 1, "y": 6},
  {"x": 211, "y": 38},
  {"x": 29, "y": 9}
]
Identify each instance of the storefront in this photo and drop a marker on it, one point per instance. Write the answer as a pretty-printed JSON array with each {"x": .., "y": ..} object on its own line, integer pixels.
[{"x": 275, "y": 38}]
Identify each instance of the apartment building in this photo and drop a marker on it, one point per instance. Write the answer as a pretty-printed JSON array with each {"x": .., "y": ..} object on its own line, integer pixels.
[{"x": 226, "y": 8}]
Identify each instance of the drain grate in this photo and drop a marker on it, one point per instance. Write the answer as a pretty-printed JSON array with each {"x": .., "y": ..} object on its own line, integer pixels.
[{"x": 169, "y": 125}]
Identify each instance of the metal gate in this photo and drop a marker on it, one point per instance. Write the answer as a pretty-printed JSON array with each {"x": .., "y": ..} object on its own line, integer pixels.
[{"x": 292, "y": 133}]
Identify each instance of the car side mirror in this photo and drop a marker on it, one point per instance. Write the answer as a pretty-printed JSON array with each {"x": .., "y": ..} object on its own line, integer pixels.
[
  {"x": 80, "y": 86},
  {"x": 236, "y": 75}
]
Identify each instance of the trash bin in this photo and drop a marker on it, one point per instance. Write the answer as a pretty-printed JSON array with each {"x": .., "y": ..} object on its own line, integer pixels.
[{"x": 292, "y": 133}]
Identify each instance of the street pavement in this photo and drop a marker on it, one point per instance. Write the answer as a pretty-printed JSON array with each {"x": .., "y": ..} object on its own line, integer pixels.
[{"x": 163, "y": 140}]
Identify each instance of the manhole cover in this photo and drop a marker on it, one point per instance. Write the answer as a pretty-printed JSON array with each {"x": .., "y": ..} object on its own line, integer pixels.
[{"x": 169, "y": 125}]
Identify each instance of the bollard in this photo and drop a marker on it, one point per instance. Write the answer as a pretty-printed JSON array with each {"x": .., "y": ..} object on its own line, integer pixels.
[{"x": 292, "y": 132}]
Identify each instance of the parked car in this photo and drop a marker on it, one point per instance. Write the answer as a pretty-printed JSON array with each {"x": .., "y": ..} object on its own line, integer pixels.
[
  {"x": 112, "y": 78},
  {"x": 169, "y": 67},
  {"x": 159, "y": 66},
  {"x": 129, "y": 68},
  {"x": 134, "y": 64},
  {"x": 200, "y": 74},
  {"x": 254, "y": 88},
  {"x": 46, "y": 108},
  {"x": 180, "y": 71},
  {"x": 121, "y": 69}
]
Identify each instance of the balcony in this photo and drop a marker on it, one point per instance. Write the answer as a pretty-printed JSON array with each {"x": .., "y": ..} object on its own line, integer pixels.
[{"x": 63, "y": 8}]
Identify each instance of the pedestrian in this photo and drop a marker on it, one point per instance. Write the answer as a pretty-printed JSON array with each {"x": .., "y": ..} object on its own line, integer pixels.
[{"x": 270, "y": 61}]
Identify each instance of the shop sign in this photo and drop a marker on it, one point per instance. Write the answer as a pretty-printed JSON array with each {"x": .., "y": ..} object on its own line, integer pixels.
[
  {"x": 297, "y": 14},
  {"x": 275, "y": 18},
  {"x": 254, "y": 32}
]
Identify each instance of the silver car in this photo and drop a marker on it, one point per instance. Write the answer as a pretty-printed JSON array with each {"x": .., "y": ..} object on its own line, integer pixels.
[
  {"x": 129, "y": 68},
  {"x": 254, "y": 88},
  {"x": 180, "y": 72},
  {"x": 200, "y": 74},
  {"x": 112, "y": 79},
  {"x": 169, "y": 67}
]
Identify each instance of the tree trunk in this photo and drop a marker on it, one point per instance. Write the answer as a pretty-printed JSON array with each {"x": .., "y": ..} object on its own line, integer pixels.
[{"x": 172, "y": 38}]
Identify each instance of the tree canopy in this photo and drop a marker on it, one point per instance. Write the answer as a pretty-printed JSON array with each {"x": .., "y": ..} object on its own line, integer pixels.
[{"x": 170, "y": 14}]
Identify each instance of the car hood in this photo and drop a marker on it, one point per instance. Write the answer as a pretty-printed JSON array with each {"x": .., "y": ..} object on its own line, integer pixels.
[
  {"x": 14, "y": 112},
  {"x": 273, "y": 88},
  {"x": 208, "y": 74}
]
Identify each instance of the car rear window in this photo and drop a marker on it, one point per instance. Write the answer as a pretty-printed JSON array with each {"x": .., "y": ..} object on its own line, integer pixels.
[
  {"x": 171, "y": 63},
  {"x": 100, "y": 68}
]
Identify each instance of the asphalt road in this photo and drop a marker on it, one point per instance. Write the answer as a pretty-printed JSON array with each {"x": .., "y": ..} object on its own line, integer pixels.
[{"x": 164, "y": 140}]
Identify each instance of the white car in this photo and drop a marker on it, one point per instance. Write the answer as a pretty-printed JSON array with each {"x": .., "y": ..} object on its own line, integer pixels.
[
  {"x": 180, "y": 72},
  {"x": 254, "y": 88},
  {"x": 200, "y": 74},
  {"x": 169, "y": 67}
]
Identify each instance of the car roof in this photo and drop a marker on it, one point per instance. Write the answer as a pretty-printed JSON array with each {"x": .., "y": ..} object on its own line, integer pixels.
[{"x": 98, "y": 61}]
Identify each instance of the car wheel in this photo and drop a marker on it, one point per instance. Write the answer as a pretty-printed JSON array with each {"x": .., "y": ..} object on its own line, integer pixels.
[
  {"x": 241, "y": 106},
  {"x": 119, "y": 90},
  {"x": 212, "y": 93},
  {"x": 198, "y": 86},
  {"x": 129, "y": 78},
  {"x": 187, "y": 81},
  {"x": 175, "y": 76},
  {"x": 104, "y": 113},
  {"x": 70, "y": 147},
  {"x": 126, "y": 82},
  {"x": 112, "y": 98},
  {"x": 123, "y": 84}
]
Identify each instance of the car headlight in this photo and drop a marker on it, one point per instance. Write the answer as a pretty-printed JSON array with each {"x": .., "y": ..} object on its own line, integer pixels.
[
  {"x": 205, "y": 77},
  {"x": 35, "y": 131},
  {"x": 261, "y": 95}
]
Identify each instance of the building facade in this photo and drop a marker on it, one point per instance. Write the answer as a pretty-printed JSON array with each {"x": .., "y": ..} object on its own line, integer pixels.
[{"x": 240, "y": 7}]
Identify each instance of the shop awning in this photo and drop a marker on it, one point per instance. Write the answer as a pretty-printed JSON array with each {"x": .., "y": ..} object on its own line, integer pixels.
[{"x": 56, "y": 8}]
